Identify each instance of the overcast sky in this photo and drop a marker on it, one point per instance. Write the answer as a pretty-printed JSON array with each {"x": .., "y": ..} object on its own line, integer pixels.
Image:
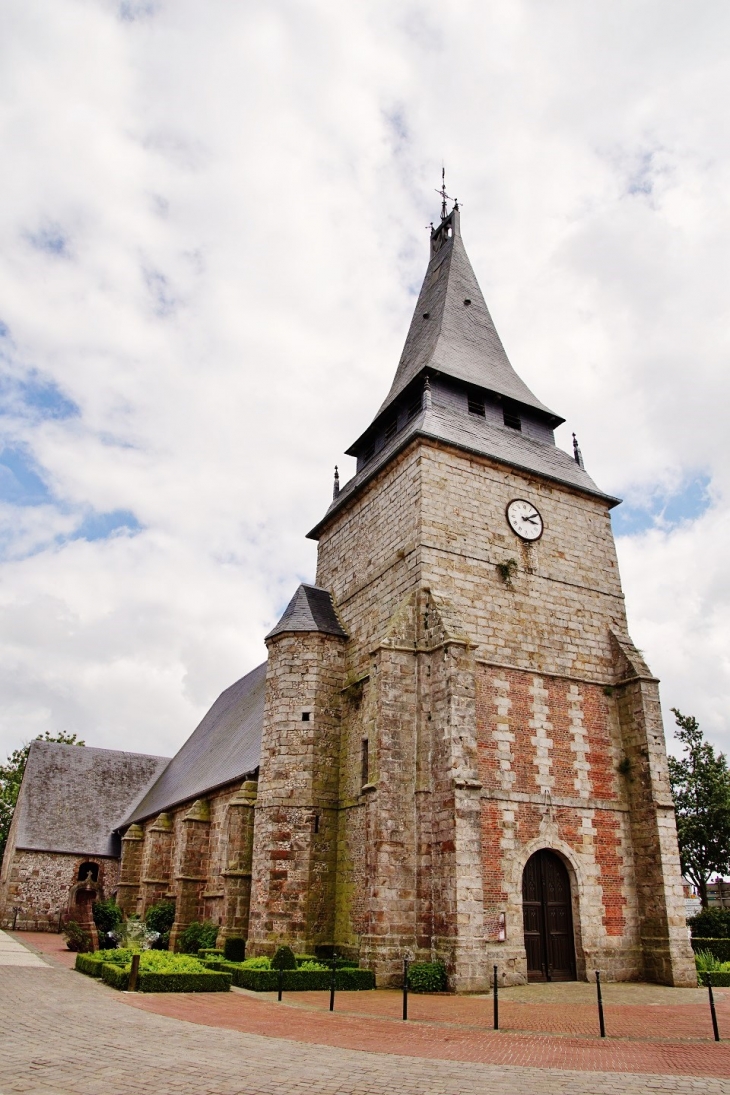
[{"x": 213, "y": 228}]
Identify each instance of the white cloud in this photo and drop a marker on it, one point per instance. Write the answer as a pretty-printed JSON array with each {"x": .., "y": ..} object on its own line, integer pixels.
[{"x": 212, "y": 219}]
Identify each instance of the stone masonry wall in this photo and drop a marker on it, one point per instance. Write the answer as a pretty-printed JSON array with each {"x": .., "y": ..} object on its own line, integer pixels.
[
  {"x": 39, "y": 884},
  {"x": 295, "y": 835}
]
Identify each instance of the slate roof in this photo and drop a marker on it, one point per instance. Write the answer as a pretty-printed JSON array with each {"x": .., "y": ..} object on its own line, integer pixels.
[
  {"x": 310, "y": 609},
  {"x": 72, "y": 798},
  {"x": 479, "y": 436},
  {"x": 225, "y": 746},
  {"x": 457, "y": 339}
]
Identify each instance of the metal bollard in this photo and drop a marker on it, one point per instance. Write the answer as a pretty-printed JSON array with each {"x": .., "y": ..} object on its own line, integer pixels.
[
  {"x": 405, "y": 988},
  {"x": 713, "y": 1013},
  {"x": 333, "y": 982},
  {"x": 600, "y": 1005},
  {"x": 132, "y": 986},
  {"x": 496, "y": 1000},
  {"x": 281, "y": 984}
]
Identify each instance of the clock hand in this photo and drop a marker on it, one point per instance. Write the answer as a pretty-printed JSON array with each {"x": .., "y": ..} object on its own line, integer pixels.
[{"x": 532, "y": 519}]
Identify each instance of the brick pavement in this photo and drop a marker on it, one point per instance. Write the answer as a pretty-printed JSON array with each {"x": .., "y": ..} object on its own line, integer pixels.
[{"x": 67, "y": 1033}]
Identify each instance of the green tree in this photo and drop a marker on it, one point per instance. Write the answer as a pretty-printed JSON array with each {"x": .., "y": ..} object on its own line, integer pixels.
[
  {"x": 700, "y": 783},
  {"x": 11, "y": 776}
]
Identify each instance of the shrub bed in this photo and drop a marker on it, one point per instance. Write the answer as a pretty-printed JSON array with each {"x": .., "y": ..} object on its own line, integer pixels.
[
  {"x": 159, "y": 971},
  {"x": 91, "y": 963},
  {"x": 347, "y": 979},
  {"x": 719, "y": 948}
]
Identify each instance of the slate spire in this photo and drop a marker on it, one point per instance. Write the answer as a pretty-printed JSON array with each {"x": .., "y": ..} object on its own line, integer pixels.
[{"x": 452, "y": 331}]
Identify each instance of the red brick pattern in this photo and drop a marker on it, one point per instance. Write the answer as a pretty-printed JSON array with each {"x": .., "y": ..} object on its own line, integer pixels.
[
  {"x": 562, "y": 755},
  {"x": 520, "y": 716},
  {"x": 595, "y": 716},
  {"x": 610, "y": 862},
  {"x": 492, "y": 869}
]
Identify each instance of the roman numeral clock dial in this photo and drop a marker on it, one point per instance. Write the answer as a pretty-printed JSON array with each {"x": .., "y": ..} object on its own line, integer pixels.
[{"x": 524, "y": 519}]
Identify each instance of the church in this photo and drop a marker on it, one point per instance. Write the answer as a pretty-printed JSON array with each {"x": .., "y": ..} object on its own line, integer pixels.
[{"x": 453, "y": 752}]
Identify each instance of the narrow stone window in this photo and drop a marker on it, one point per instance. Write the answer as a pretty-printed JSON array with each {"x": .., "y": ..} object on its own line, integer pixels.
[
  {"x": 306, "y": 715},
  {"x": 476, "y": 404},
  {"x": 316, "y": 824},
  {"x": 365, "y": 764}
]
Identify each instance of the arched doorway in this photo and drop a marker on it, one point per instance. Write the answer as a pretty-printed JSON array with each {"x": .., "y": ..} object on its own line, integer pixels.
[{"x": 548, "y": 918}]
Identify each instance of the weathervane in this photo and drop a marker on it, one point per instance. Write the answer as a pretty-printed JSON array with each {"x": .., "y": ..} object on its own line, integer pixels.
[{"x": 444, "y": 196}]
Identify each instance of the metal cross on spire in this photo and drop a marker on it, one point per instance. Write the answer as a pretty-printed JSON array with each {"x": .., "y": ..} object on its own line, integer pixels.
[{"x": 444, "y": 196}]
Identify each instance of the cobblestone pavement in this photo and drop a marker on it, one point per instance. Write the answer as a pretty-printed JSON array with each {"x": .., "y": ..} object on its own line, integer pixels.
[{"x": 64, "y": 1033}]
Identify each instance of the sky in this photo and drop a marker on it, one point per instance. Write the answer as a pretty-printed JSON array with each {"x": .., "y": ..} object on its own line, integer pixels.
[{"x": 213, "y": 229}]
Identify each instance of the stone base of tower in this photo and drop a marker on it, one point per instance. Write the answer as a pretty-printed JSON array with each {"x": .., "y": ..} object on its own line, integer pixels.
[{"x": 670, "y": 963}]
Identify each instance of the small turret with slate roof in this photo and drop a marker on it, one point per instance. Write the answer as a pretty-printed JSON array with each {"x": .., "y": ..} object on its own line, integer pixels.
[{"x": 310, "y": 609}]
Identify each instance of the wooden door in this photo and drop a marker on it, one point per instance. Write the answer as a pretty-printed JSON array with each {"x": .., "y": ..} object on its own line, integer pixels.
[{"x": 548, "y": 920}]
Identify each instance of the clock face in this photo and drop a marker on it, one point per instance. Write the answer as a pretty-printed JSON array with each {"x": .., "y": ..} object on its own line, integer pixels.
[{"x": 524, "y": 519}]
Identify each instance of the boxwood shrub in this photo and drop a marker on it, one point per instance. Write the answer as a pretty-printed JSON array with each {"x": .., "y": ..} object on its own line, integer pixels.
[
  {"x": 427, "y": 977},
  {"x": 347, "y": 979},
  {"x": 115, "y": 976},
  {"x": 234, "y": 949},
  {"x": 720, "y": 948},
  {"x": 284, "y": 959}
]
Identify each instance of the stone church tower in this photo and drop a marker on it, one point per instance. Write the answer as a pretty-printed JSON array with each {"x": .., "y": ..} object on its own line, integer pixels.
[{"x": 462, "y": 753}]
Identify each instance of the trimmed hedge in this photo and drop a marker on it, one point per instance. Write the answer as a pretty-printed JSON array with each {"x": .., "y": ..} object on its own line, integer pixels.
[
  {"x": 346, "y": 979},
  {"x": 209, "y": 952},
  {"x": 341, "y": 963},
  {"x": 88, "y": 964},
  {"x": 115, "y": 976},
  {"x": 284, "y": 959},
  {"x": 115, "y": 972},
  {"x": 234, "y": 949},
  {"x": 718, "y": 948},
  {"x": 91, "y": 964},
  {"x": 718, "y": 980},
  {"x": 184, "y": 982}
]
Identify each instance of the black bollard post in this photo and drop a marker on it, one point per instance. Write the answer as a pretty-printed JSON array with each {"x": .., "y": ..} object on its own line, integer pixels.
[
  {"x": 496, "y": 1000},
  {"x": 333, "y": 980},
  {"x": 281, "y": 984},
  {"x": 600, "y": 1005},
  {"x": 132, "y": 986},
  {"x": 16, "y": 910},
  {"x": 405, "y": 988},
  {"x": 713, "y": 1013}
]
